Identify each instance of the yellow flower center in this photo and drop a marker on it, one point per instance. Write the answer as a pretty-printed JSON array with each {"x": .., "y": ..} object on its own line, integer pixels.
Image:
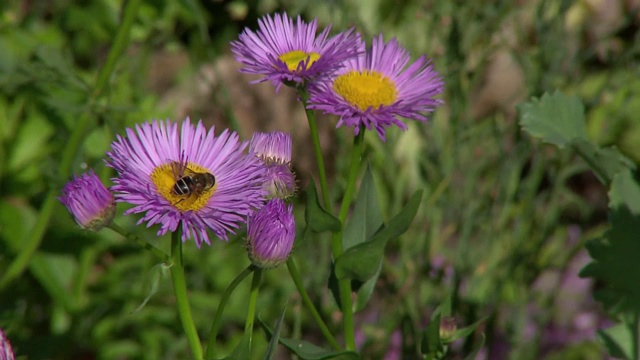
[
  {"x": 293, "y": 59},
  {"x": 364, "y": 89},
  {"x": 165, "y": 180}
]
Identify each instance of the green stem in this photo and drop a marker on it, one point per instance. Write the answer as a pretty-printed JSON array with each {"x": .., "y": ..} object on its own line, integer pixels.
[
  {"x": 180, "y": 289},
  {"x": 73, "y": 144},
  {"x": 315, "y": 138},
  {"x": 253, "y": 300},
  {"x": 291, "y": 265},
  {"x": 152, "y": 249},
  {"x": 210, "y": 353},
  {"x": 336, "y": 241}
]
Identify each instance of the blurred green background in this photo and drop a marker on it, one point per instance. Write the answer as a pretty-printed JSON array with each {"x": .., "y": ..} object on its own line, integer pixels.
[{"x": 502, "y": 224}]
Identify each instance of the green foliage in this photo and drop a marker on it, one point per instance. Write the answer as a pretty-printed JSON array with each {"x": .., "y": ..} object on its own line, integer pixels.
[
  {"x": 499, "y": 215},
  {"x": 362, "y": 261},
  {"x": 316, "y": 217},
  {"x": 557, "y": 119}
]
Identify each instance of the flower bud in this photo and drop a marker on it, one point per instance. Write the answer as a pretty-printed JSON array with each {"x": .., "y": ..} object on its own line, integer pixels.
[
  {"x": 448, "y": 328},
  {"x": 270, "y": 234},
  {"x": 90, "y": 203},
  {"x": 6, "y": 353},
  {"x": 274, "y": 149}
]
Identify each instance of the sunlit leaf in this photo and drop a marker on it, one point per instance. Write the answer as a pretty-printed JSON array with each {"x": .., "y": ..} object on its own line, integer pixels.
[{"x": 556, "y": 118}]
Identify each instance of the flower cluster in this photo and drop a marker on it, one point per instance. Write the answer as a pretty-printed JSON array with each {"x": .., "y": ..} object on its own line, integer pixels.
[{"x": 369, "y": 89}]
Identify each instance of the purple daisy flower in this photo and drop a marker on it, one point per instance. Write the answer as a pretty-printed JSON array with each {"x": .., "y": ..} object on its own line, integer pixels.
[
  {"x": 287, "y": 53},
  {"x": 274, "y": 149},
  {"x": 6, "y": 353},
  {"x": 270, "y": 234},
  {"x": 88, "y": 201},
  {"x": 189, "y": 177},
  {"x": 377, "y": 87}
]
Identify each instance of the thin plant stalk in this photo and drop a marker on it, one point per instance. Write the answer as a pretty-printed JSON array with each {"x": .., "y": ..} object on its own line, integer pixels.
[
  {"x": 344, "y": 285},
  {"x": 317, "y": 149},
  {"x": 293, "y": 270},
  {"x": 159, "y": 254},
  {"x": 180, "y": 289},
  {"x": 213, "y": 334},
  {"x": 34, "y": 240},
  {"x": 253, "y": 300}
]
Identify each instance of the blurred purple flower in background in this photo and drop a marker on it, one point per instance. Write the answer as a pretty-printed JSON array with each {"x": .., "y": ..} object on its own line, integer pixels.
[{"x": 6, "y": 353}]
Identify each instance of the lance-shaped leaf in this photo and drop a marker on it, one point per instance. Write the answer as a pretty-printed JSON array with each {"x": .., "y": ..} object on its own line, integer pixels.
[
  {"x": 361, "y": 261},
  {"x": 365, "y": 221},
  {"x": 556, "y": 119},
  {"x": 275, "y": 337},
  {"x": 317, "y": 218}
]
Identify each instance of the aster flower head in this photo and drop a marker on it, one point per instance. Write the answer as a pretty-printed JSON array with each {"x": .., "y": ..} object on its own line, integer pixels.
[
  {"x": 89, "y": 202},
  {"x": 6, "y": 353},
  {"x": 274, "y": 149},
  {"x": 270, "y": 234},
  {"x": 375, "y": 88},
  {"x": 288, "y": 52},
  {"x": 189, "y": 177}
]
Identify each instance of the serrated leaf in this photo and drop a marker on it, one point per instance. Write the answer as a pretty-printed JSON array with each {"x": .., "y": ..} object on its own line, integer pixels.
[
  {"x": 556, "y": 119},
  {"x": 367, "y": 216},
  {"x": 361, "y": 261},
  {"x": 615, "y": 254},
  {"x": 317, "y": 218},
  {"x": 605, "y": 162},
  {"x": 618, "y": 340}
]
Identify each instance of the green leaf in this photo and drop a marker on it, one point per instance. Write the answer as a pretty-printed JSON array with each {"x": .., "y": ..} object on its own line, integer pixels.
[
  {"x": 618, "y": 340},
  {"x": 367, "y": 216},
  {"x": 476, "y": 350},
  {"x": 361, "y": 261},
  {"x": 317, "y": 218},
  {"x": 363, "y": 224},
  {"x": 308, "y": 351},
  {"x": 431, "y": 343},
  {"x": 275, "y": 337},
  {"x": 156, "y": 274},
  {"x": 243, "y": 350},
  {"x": 467, "y": 330},
  {"x": 556, "y": 119},
  {"x": 615, "y": 254},
  {"x": 605, "y": 162}
]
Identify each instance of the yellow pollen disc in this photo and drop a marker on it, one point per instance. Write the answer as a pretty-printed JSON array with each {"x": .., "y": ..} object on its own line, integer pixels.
[
  {"x": 364, "y": 89},
  {"x": 164, "y": 179},
  {"x": 293, "y": 58}
]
